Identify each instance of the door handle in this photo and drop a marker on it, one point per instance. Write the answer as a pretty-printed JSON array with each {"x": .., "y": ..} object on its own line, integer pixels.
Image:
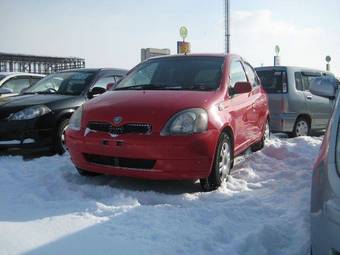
[{"x": 309, "y": 97}]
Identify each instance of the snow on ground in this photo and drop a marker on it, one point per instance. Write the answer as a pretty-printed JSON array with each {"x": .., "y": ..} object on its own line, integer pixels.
[{"x": 47, "y": 208}]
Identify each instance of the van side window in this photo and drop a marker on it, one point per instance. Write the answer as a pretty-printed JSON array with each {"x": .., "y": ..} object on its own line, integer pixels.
[
  {"x": 298, "y": 81},
  {"x": 252, "y": 76},
  {"x": 307, "y": 77},
  {"x": 236, "y": 74}
]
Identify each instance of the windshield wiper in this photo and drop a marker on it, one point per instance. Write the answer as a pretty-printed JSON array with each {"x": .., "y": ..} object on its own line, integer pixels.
[
  {"x": 142, "y": 87},
  {"x": 200, "y": 87},
  {"x": 151, "y": 87}
]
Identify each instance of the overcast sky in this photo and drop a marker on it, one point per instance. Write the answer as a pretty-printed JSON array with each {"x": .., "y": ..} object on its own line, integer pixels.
[{"x": 110, "y": 33}]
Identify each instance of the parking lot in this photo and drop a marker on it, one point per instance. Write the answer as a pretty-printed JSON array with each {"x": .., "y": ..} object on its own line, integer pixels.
[{"x": 46, "y": 207}]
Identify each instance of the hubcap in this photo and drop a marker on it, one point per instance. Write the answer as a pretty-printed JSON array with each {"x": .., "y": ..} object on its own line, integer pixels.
[
  {"x": 301, "y": 128},
  {"x": 62, "y": 138},
  {"x": 224, "y": 160}
]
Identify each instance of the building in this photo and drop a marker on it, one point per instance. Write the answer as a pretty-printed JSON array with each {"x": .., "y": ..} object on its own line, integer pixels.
[
  {"x": 38, "y": 64},
  {"x": 152, "y": 52}
]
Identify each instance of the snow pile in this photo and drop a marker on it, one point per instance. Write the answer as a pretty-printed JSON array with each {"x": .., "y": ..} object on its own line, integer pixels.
[{"x": 47, "y": 208}]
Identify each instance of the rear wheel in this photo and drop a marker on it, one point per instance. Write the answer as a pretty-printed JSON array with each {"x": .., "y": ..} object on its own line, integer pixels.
[
  {"x": 83, "y": 172},
  {"x": 59, "y": 141},
  {"x": 222, "y": 165},
  {"x": 301, "y": 127}
]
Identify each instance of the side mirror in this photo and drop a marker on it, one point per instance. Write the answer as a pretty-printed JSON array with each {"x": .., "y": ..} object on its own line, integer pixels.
[
  {"x": 242, "y": 87},
  {"x": 324, "y": 86},
  {"x": 6, "y": 91},
  {"x": 96, "y": 91},
  {"x": 110, "y": 86}
]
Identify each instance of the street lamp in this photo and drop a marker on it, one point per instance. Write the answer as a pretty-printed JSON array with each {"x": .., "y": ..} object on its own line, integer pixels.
[{"x": 227, "y": 27}]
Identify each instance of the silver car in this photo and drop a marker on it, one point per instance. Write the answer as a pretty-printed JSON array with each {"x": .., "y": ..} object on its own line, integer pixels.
[
  {"x": 325, "y": 200},
  {"x": 12, "y": 83},
  {"x": 293, "y": 108}
]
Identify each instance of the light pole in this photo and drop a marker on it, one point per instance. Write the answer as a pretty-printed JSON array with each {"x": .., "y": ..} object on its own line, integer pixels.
[
  {"x": 227, "y": 27},
  {"x": 328, "y": 66}
]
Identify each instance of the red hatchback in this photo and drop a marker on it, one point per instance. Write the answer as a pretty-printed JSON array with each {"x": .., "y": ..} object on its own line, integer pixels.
[{"x": 174, "y": 117}]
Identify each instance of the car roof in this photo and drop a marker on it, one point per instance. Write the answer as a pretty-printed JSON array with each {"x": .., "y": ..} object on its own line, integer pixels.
[
  {"x": 21, "y": 73},
  {"x": 191, "y": 55},
  {"x": 94, "y": 70},
  {"x": 306, "y": 69}
]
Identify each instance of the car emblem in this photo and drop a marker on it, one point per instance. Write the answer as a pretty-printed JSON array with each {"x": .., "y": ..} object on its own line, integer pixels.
[{"x": 117, "y": 120}]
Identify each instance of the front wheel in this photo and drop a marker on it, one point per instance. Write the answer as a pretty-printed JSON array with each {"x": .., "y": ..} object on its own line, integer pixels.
[
  {"x": 301, "y": 127},
  {"x": 59, "y": 143},
  {"x": 222, "y": 165}
]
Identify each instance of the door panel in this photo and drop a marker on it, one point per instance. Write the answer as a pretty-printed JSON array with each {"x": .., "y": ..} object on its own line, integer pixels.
[
  {"x": 320, "y": 109},
  {"x": 239, "y": 109}
]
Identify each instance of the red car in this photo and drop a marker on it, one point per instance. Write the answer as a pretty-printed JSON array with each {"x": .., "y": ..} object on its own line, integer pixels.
[{"x": 174, "y": 117}]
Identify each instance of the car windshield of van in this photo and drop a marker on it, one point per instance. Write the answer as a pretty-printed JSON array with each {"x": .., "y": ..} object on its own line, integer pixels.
[
  {"x": 273, "y": 81},
  {"x": 65, "y": 83},
  {"x": 177, "y": 73}
]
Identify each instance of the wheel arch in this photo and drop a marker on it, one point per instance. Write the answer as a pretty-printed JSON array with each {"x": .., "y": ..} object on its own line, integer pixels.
[{"x": 305, "y": 116}]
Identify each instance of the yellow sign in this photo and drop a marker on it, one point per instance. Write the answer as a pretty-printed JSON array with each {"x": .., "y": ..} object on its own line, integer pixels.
[{"x": 183, "y": 47}]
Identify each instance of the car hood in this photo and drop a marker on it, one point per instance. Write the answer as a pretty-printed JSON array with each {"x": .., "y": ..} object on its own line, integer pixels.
[
  {"x": 10, "y": 105},
  {"x": 30, "y": 100},
  {"x": 151, "y": 107}
]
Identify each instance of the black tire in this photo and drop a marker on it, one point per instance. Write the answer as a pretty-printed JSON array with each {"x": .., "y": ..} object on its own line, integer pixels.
[
  {"x": 266, "y": 135},
  {"x": 217, "y": 174},
  {"x": 301, "y": 127},
  {"x": 83, "y": 172},
  {"x": 59, "y": 140}
]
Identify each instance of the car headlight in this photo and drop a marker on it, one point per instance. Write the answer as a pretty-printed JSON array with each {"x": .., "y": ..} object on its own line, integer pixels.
[
  {"x": 75, "y": 121},
  {"x": 187, "y": 122},
  {"x": 30, "y": 113}
]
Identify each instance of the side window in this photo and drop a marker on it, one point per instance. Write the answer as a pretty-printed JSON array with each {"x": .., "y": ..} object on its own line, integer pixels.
[
  {"x": 252, "y": 77},
  {"x": 17, "y": 84},
  {"x": 236, "y": 74},
  {"x": 298, "y": 81},
  {"x": 306, "y": 79},
  {"x": 305, "y": 82},
  {"x": 103, "y": 81}
]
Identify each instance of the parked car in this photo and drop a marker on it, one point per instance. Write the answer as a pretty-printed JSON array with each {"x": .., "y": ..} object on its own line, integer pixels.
[
  {"x": 12, "y": 84},
  {"x": 40, "y": 116},
  {"x": 174, "y": 117},
  {"x": 293, "y": 108},
  {"x": 325, "y": 195}
]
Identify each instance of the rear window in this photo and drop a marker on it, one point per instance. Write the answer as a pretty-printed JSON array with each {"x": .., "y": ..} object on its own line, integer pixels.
[{"x": 273, "y": 81}]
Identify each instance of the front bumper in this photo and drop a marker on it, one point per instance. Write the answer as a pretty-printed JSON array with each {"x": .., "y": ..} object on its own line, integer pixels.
[
  {"x": 24, "y": 134},
  {"x": 174, "y": 157},
  {"x": 282, "y": 122},
  {"x": 326, "y": 229}
]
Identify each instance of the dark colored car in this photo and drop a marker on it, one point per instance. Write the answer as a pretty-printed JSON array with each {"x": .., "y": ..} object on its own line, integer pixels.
[
  {"x": 175, "y": 117},
  {"x": 39, "y": 117}
]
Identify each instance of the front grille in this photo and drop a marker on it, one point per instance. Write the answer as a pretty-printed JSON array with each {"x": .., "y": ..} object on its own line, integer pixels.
[
  {"x": 130, "y": 128},
  {"x": 120, "y": 162}
]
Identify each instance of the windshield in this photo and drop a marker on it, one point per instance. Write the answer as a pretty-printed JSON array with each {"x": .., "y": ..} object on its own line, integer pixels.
[
  {"x": 66, "y": 83},
  {"x": 178, "y": 73}
]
